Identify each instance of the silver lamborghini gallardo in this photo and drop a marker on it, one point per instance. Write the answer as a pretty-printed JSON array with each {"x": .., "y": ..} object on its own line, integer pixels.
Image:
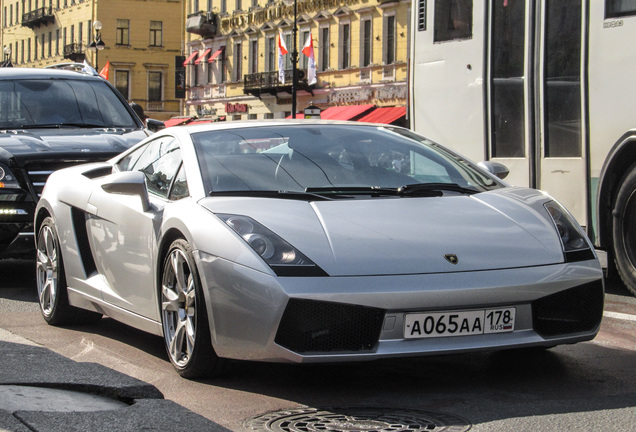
[{"x": 310, "y": 241}]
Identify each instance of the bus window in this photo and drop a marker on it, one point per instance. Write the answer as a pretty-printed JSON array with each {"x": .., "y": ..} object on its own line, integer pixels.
[
  {"x": 562, "y": 79},
  {"x": 453, "y": 20},
  {"x": 619, "y": 8},
  {"x": 508, "y": 79}
]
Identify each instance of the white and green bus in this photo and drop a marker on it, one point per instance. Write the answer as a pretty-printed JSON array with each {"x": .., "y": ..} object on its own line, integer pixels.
[{"x": 546, "y": 87}]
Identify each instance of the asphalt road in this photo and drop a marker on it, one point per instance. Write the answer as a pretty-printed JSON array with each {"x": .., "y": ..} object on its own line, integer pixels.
[{"x": 589, "y": 386}]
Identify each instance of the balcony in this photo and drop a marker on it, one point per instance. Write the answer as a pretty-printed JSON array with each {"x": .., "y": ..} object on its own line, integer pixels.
[
  {"x": 203, "y": 24},
  {"x": 267, "y": 82},
  {"x": 74, "y": 52},
  {"x": 38, "y": 17}
]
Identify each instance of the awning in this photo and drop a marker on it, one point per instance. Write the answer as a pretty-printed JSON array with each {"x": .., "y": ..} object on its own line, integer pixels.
[
  {"x": 384, "y": 115},
  {"x": 298, "y": 116},
  {"x": 216, "y": 54},
  {"x": 201, "y": 121},
  {"x": 348, "y": 112},
  {"x": 189, "y": 59},
  {"x": 176, "y": 121},
  {"x": 202, "y": 56}
]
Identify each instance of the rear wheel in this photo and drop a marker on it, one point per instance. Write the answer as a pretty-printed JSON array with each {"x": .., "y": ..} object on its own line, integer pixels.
[
  {"x": 51, "y": 281},
  {"x": 624, "y": 230},
  {"x": 183, "y": 315}
]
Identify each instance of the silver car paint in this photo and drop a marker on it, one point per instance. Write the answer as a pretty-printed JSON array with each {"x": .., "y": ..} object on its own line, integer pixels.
[{"x": 245, "y": 299}]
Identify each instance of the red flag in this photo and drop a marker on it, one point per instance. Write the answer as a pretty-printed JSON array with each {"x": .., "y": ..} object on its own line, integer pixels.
[
  {"x": 105, "y": 70},
  {"x": 308, "y": 50},
  {"x": 282, "y": 50}
]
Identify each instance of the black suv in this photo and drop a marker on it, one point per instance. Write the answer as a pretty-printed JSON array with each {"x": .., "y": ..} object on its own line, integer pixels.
[{"x": 51, "y": 119}]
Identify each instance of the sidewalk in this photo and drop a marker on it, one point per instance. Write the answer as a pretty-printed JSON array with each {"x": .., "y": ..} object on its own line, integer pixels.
[{"x": 46, "y": 392}]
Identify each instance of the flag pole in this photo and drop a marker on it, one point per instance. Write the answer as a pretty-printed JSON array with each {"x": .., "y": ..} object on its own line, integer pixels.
[{"x": 295, "y": 60}]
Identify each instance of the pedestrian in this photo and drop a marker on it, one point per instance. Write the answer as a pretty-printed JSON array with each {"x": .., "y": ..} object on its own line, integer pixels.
[{"x": 139, "y": 111}]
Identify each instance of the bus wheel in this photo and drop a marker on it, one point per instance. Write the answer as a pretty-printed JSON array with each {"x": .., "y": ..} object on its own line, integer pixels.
[{"x": 624, "y": 230}]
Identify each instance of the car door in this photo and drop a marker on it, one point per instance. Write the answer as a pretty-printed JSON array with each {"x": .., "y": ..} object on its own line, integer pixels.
[{"x": 124, "y": 236}]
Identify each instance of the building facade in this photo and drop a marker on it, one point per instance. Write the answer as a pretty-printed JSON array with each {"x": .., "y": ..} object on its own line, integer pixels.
[
  {"x": 141, "y": 39},
  {"x": 231, "y": 56}
]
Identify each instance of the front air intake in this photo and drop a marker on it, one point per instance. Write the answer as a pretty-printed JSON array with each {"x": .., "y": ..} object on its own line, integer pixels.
[
  {"x": 574, "y": 310},
  {"x": 310, "y": 326}
]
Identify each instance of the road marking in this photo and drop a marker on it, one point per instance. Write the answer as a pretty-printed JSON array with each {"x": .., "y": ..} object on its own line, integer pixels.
[{"x": 620, "y": 316}]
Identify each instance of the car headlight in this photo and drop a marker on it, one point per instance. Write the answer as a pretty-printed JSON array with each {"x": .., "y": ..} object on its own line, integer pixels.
[
  {"x": 7, "y": 178},
  {"x": 575, "y": 245},
  {"x": 282, "y": 257}
]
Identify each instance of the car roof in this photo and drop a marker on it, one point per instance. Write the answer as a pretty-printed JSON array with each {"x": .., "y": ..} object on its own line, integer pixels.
[
  {"x": 34, "y": 73},
  {"x": 269, "y": 123}
]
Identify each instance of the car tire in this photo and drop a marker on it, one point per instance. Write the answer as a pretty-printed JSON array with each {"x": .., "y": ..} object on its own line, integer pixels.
[
  {"x": 51, "y": 281},
  {"x": 624, "y": 230},
  {"x": 184, "y": 317}
]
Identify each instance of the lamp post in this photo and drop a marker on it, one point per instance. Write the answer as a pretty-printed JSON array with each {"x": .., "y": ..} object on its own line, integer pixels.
[
  {"x": 294, "y": 55},
  {"x": 98, "y": 44}
]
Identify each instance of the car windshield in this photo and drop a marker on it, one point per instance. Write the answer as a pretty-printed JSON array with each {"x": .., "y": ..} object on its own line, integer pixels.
[
  {"x": 332, "y": 159},
  {"x": 37, "y": 103}
]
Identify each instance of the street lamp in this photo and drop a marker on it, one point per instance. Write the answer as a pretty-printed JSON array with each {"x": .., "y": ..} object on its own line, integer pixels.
[
  {"x": 97, "y": 44},
  {"x": 294, "y": 55}
]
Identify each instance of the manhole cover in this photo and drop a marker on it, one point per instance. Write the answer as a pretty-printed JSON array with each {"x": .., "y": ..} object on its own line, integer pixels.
[{"x": 356, "y": 420}]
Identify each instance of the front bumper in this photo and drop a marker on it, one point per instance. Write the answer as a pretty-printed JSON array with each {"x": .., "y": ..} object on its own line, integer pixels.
[
  {"x": 16, "y": 224},
  {"x": 255, "y": 316}
]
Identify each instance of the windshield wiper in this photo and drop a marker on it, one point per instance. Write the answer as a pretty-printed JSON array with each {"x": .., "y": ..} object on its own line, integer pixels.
[
  {"x": 60, "y": 126},
  {"x": 352, "y": 190},
  {"x": 293, "y": 195},
  {"x": 438, "y": 188}
]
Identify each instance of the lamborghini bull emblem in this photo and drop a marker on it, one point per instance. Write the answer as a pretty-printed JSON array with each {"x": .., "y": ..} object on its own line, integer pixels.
[{"x": 451, "y": 258}]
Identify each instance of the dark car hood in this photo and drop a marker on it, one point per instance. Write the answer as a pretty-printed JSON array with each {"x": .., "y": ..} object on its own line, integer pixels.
[{"x": 30, "y": 145}]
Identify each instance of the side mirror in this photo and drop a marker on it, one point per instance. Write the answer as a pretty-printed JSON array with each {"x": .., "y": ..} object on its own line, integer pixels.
[
  {"x": 154, "y": 125},
  {"x": 129, "y": 183},
  {"x": 498, "y": 169}
]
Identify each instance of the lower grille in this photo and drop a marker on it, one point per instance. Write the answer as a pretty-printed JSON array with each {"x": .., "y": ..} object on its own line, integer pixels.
[
  {"x": 574, "y": 310},
  {"x": 315, "y": 326}
]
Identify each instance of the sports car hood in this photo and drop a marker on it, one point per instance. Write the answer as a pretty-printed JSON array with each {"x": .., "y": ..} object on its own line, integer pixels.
[
  {"x": 506, "y": 228},
  {"x": 28, "y": 145}
]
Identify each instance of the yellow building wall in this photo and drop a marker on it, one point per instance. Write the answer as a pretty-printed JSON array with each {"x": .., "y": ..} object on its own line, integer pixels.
[{"x": 335, "y": 86}]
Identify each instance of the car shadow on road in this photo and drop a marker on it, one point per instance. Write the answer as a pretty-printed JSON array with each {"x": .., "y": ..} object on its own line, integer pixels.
[{"x": 481, "y": 387}]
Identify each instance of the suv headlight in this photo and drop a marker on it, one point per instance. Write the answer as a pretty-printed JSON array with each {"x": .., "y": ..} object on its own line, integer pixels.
[
  {"x": 282, "y": 257},
  {"x": 575, "y": 245},
  {"x": 7, "y": 178}
]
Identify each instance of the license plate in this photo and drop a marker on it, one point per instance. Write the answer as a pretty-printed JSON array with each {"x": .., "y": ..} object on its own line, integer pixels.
[{"x": 459, "y": 323}]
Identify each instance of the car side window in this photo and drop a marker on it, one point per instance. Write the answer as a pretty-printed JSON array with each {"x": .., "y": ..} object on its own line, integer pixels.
[
  {"x": 159, "y": 161},
  {"x": 180, "y": 186},
  {"x": 129, "y": 161}
]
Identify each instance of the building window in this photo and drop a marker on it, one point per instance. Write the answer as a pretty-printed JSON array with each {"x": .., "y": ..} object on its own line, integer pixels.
[
  {"x": 155, "y": 87},
  {"x": 29, "y": 50},
  {"x": 57, "y": 42},
  {"x": 239, "y": 5},
  {"x": 223, "y": 6},
  {"x": 223, "y": 66},
  {"x": 253, "y": 56},
  {"x": 324, "y": 48},
  {"x": 345, "y": 45},
  {"x": 366, "y": 37},
  {"x": 122, "y": 82},
  {"x": 50, "y": 44},
  {"x": 389, "y": 39},
  {"x": 42, "y": 44},
  {"x": 238, "y": 56},
  {"x": 156, "y": 33},
  {"x": 290, "y": 48},
  {"x": 270, "y": 54},
  {"x": 453, "y": 20},
  {"x": 123, "y": 32}
]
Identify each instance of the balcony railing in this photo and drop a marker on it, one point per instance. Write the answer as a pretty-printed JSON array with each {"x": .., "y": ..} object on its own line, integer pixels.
[
  {"x": 268, "y": 82},
  {"x": 74, "y": 52},
  {"x": 38, "y": 17},
  {"x": 203, "y": 24}
]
